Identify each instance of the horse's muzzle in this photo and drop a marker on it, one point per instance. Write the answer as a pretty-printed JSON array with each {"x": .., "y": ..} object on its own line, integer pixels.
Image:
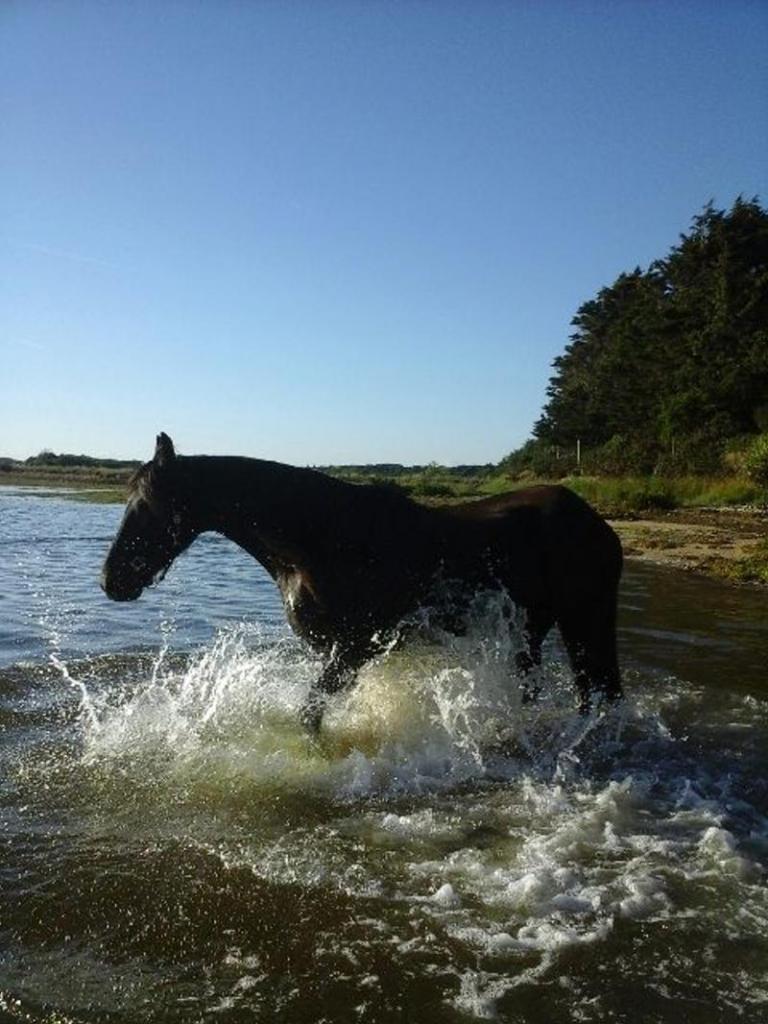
[{"x": 116, "y": 591}]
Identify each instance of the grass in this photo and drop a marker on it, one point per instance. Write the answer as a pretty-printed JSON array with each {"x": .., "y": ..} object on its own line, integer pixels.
[
  {"x": 89, "y": 495},
  {"x": 63, "y": 476},
  {"x": 642, "y": 494},
  {"x": 84, "y": 484},
  {"x": 611, "y": 495},
  {"x": 753, "y": 568},
  {"x": 458, "y": 488},
  {"x": 101, "y": 496}
]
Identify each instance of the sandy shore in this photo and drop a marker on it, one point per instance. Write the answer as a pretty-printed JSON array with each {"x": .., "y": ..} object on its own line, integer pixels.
[{"x": 717, "y": 542}]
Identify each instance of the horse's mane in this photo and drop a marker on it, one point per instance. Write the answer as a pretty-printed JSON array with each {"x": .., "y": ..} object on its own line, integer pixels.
[{"x": 141, "y": 485}]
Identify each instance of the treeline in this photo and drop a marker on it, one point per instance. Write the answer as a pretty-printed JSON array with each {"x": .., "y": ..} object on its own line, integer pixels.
[
  {"x": 65, "y": 460},
  {"x": 67, "y": 469},
  {"x": 666, "y": 371}
]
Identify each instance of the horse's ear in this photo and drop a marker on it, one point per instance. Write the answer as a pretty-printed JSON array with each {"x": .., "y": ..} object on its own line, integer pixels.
[{"x": 164, "y": 451}]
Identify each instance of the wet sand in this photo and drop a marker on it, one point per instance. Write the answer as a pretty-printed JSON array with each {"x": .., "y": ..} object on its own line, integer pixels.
[{"x": 715, "y": 542}]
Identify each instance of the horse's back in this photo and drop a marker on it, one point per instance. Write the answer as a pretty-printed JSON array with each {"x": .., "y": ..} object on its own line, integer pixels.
[
  {"x": 546, "y": 498},
  {"x": 548, "y": 535}
]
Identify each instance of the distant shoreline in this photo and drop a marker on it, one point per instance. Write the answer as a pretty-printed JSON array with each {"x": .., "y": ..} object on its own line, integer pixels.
[{"x": 68, "y": 476}]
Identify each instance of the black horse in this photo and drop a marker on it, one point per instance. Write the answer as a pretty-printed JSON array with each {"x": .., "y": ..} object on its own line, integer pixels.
[{"x": 352, "y": 561}]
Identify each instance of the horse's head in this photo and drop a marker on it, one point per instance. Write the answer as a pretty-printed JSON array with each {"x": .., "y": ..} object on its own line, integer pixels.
[{"x": 157, "y": 526}]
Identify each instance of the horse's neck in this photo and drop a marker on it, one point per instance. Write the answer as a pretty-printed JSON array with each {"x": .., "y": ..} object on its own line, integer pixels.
[{"x": 269, "y": 509}]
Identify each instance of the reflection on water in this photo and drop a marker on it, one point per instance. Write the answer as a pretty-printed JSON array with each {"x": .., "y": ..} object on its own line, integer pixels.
[
  {"x": 176, "y": 849},
  {"x": 696, "y": 628}
]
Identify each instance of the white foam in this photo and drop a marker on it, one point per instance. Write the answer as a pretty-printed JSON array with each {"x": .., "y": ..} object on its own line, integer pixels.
[
  {"x": 719, "y": 850},
  {"x": 446, "y": 896}
]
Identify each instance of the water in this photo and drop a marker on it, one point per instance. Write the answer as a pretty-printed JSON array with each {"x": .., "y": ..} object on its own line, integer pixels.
[{"x": 174, "y": 849}]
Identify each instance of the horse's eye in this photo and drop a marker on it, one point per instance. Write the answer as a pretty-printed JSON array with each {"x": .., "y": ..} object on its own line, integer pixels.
[{"x": 177, "y": 519}]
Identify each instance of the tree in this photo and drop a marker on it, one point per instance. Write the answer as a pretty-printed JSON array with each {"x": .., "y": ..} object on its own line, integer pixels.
[{"x": 674, "y": 357}]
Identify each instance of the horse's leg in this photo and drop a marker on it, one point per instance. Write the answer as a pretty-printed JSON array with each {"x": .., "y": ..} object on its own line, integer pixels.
[
  {"x": 589, "y": 634},
  {"x": 537, "y": 624},
  {"x": 338, "y": 674}
]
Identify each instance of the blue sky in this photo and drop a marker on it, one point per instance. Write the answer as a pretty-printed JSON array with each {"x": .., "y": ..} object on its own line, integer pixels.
[{"x": 341, "y": 232}]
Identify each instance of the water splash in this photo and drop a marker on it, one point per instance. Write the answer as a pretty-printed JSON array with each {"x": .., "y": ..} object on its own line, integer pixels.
[
  {"x": 87, "y": 709},
  {"x": 431, "y": 714}
]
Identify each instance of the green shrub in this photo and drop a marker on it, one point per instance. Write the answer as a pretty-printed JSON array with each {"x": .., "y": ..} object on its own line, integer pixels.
[
  {"x": 540, "y": 459},
  {"x": 698, "y": 491},
  {"x": 432, "y": 489},
  {"x": 496, "y": 485},
  {"x": 619, "y": 457},
  {"x": 753, "y": 568},
  {"x": 626, "y": 494},
  {"x": 756, "y": 460},
  {"x": 638, "y": 494}
]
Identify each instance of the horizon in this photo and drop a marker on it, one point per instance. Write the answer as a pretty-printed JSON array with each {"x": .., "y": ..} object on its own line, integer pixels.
[{"x": 346, "y": 234}]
